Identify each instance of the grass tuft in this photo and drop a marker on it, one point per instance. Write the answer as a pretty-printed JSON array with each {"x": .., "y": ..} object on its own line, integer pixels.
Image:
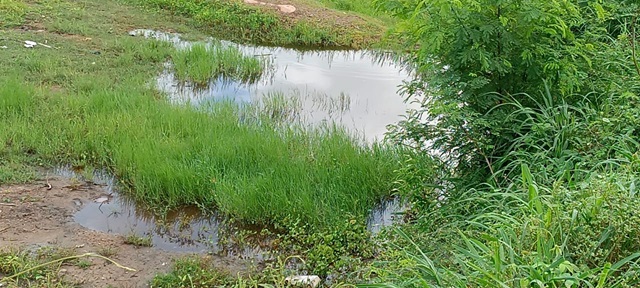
[
  {"x": 200, "y": 64},
  {"x": 12, "y": 13}
]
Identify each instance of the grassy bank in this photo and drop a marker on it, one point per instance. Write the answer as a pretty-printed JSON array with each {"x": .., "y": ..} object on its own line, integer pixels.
[
  {"x": 170, "y": 156},
  {"x": 87, "y": 102},
  {"x": 234, "y": 20},
  {"x": 97, "y": 110}
]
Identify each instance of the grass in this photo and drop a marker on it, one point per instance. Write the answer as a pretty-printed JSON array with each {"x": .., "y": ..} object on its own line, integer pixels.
[
  {"x": 137, "y": 240},
  {"x": 13, "y": 261},
  {"x": 73, "y": 106},
  {"x": 233, "y": 20},
  {"x": 200, "y": 64},
  {"x": 171, "y": 156},
  {"x": 11, "y": 12},
  {"x": 87, "y": 102}
]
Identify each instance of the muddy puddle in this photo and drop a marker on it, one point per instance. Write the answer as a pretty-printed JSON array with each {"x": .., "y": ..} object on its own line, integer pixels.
[
  {"x": 186, "y": 230},
  {"x": 358, "y": 90},
  {"x": 355, "y": 89}
]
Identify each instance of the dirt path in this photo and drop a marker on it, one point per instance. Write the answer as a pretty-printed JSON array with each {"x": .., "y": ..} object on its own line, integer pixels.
[{"x": 33, "y": 216}]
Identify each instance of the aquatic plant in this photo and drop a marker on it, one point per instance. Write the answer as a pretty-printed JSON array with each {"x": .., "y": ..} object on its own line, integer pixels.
[{"x": 202, "y": 63}]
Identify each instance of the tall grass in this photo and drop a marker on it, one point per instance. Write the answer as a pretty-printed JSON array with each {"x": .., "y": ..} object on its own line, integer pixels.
[
  {"x": 558, "y": 211},
  {"x": 527, "y": 235},
  {"x": 200, "y": 64},
  {"x": 170, "y": 155}
]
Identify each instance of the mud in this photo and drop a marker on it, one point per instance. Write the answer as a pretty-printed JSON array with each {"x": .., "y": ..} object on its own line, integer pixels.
[{"x": 42, "y": 214}]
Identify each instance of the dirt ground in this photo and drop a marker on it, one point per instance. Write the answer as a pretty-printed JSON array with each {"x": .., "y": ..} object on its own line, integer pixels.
[
  {"x": 34, "y": 215},
  {"x": 312, "y": 13}
]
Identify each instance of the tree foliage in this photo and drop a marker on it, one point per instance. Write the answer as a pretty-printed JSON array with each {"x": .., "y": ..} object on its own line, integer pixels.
[{"x": 481, "y": 63}]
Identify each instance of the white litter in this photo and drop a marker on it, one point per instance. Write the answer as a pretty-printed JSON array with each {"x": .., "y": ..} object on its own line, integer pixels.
[
  {"x": 31, "y": 44},
  {"x": 307, "y": 281},
  {"x": 3, "y": 47}
]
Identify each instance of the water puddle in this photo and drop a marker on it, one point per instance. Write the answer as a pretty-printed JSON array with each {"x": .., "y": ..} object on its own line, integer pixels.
[
  {"x": 386, "y": 214},
  {"x": 185, "y": 230},
  {"x": 356, "y": 89}
]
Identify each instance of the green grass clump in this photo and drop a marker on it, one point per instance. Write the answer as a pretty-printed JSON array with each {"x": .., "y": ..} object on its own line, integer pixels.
[
  {"x": 138, "y": 241},
  {"x": 13, "y": 261},
  {"x": 193, "y": 272},
  {"x": 201, "y": 64},
  {"x": 12, "y": 13},
  {"x": 170, "y": 155},
  {"x": 234, "y": 20}
]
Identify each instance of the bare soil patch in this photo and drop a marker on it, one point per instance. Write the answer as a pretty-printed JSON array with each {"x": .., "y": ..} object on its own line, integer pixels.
[
  {"x": 312, "y": 13},
  {"x": 35, "y": 215}
]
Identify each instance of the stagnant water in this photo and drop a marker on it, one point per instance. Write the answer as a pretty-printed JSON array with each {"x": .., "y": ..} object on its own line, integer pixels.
[
  {"x": 185, "y": 230},
  {"x": 355, "y": 89}
]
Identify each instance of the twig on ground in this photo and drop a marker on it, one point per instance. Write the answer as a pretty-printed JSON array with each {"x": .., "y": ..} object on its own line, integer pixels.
[{"x": 65, "y": 259}]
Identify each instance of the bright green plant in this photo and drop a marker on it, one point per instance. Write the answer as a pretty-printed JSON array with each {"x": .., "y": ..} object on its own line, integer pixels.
[
  {"x": 477, "y": 56},
  {"x": 200, "y": 64},
  {"x": 527, "y": 236}
]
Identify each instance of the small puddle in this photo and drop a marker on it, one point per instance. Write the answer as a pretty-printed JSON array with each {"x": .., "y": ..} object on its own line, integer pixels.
[
  {"x": 185, "y": 230},
  {"x": 386, "y": 214},
  {"x": 356, "y": 89}
]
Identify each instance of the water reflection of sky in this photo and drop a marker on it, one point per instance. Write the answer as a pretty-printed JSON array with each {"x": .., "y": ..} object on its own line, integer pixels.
[{"x": 369, "y": 82}]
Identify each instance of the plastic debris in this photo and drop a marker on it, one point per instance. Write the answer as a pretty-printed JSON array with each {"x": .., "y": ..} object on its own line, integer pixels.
[
  {"x": 31, "y": 44},
  {"x": 311, "y": 281},
  {"x": 102, "y": 199},
  {"x": 3, "y": 47}
]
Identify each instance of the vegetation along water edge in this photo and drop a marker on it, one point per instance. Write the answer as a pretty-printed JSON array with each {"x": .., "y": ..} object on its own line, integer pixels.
[{"x": 518, "y": 158}]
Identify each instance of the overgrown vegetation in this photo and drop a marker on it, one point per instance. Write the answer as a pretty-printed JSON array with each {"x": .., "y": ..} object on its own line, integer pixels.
[
  {"x": 529, "y": 107},
  {"x": 521, "y": 164}
]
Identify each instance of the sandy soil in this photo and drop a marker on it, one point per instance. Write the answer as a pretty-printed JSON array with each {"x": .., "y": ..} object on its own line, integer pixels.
[{"x": 34, "y": 215}]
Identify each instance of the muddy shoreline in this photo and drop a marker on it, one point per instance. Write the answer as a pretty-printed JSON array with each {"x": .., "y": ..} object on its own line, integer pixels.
[{"x": 34, "y": 216}]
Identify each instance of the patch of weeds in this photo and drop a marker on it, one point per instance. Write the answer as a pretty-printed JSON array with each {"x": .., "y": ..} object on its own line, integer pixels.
[
  {"x": 107, "y": 252},
  {"x": 16, "y": 261},
  {"x": 12, "y": 12},
  {"x": 193, "y": 272},
  {"x": 138, "y": 241},
  {"x": 49, "y": 253},
  {"x": 201, "y": 64},
  {"x": 84, "y": 264},
  {"x": 337, "y": 250},
  {"x": 236, "y": 21},
  {"x": 13, "y": 172}
]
